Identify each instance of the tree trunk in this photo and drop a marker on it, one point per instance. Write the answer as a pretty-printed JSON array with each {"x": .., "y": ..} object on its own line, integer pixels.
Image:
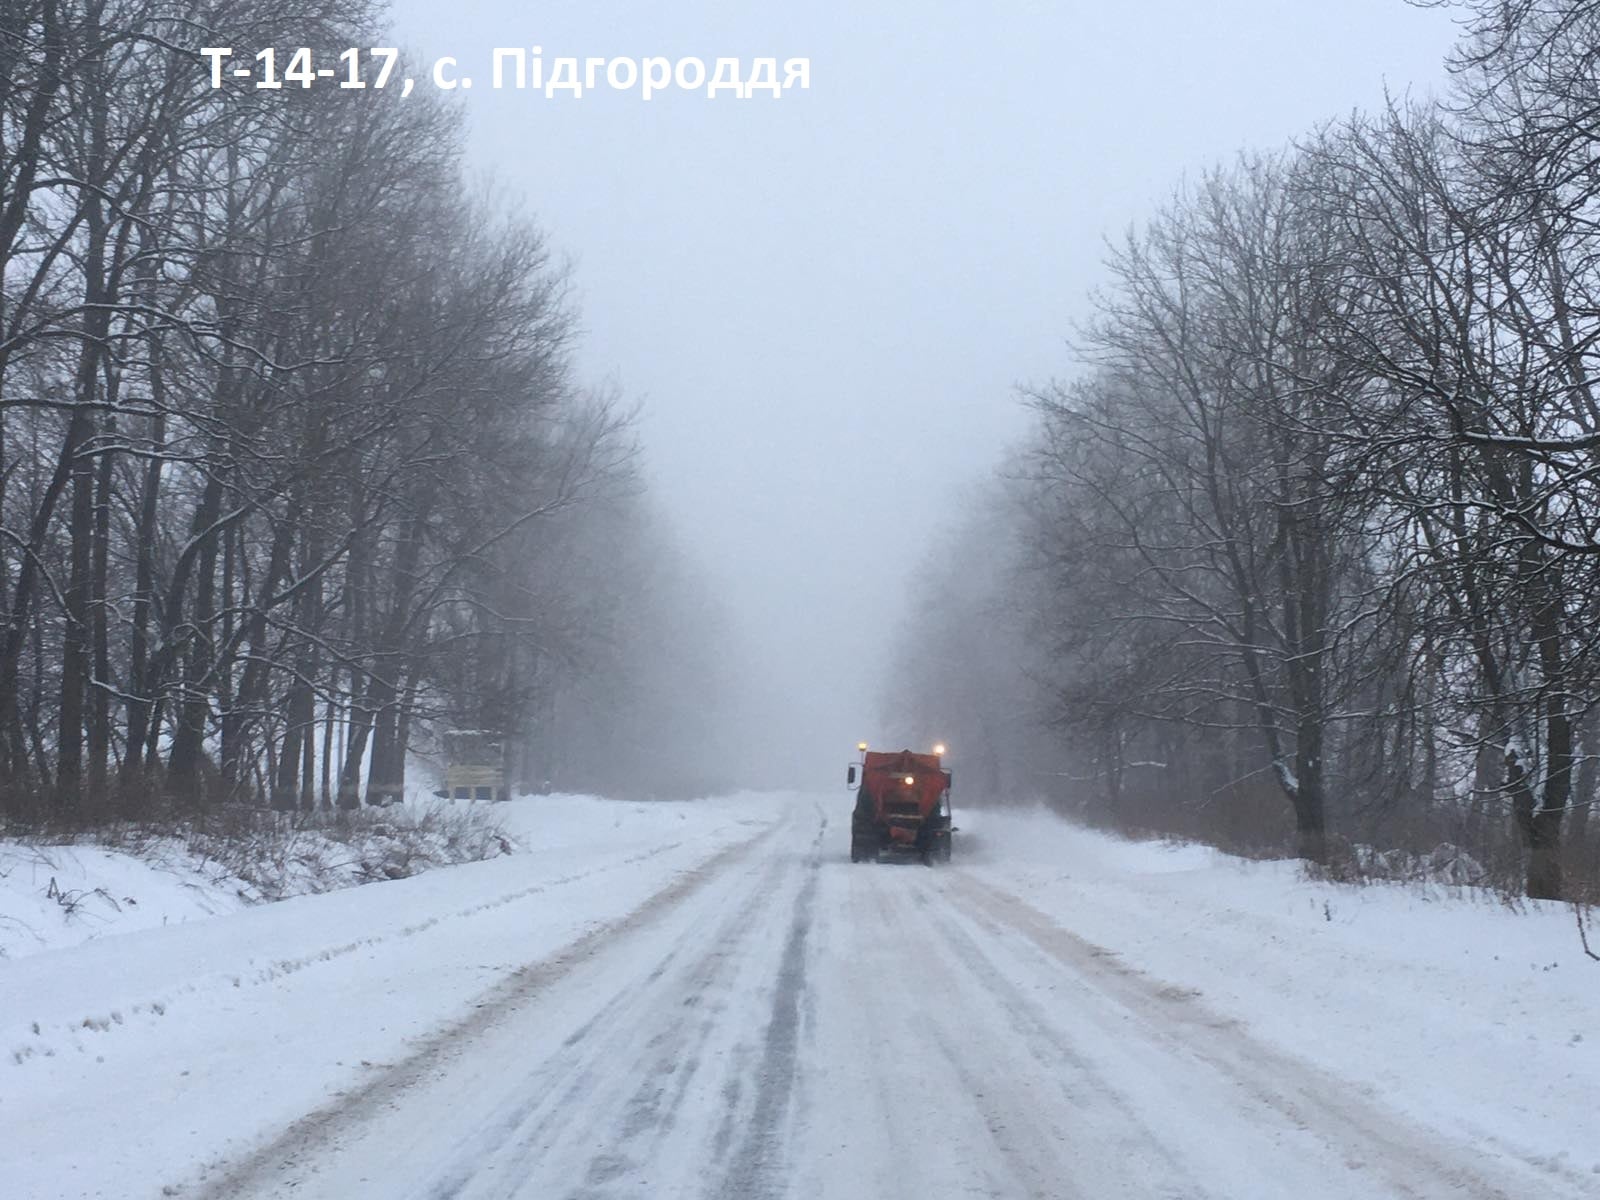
[
  {"x": 1545, "y": 880},
  {"x": 308, "y": 754},
  {"x": 295, "y": 756},
  {"x": 328, "y": 719},
  {"x": 252, "y": 694},
  {"x": 1310, "y": 799},
  {"x": 141, "y": 699},
  {"x": 100, "y": 688},
  {"x": 192, "y": 708},
  {"x": 75, "y": 638},
  {"x": 1587, "y": 786},
  {"x": 350, "y": 773},
  {"x": 381, "y": 785}
]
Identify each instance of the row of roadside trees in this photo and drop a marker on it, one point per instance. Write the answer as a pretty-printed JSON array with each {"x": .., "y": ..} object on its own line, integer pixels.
[
  {"x": 1315, "y": 531},
  {"x": 294, "y": 467}
]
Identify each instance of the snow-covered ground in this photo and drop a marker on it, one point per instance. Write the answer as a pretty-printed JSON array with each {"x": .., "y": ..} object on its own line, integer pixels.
[
  {"x": 130, "y": 1058},
  {"x": 710, "y": 1000},
  {"x": 55, "y": 896},
  {"x": 1455, "y": 1010}
]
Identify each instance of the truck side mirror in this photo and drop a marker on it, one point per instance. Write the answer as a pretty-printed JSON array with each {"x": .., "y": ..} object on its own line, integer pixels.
[{"x": 850, "y": 777}]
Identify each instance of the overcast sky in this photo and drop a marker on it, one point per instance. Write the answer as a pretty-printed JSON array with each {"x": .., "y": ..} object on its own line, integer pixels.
[{"x": 825, "y": 303}]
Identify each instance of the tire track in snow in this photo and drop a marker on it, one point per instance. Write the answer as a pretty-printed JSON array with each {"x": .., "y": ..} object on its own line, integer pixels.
[
  {"x": 1092, "y": 1115},
  {"x": 44, "y": 1038},
  {"x": 319, "y": 1132},
  {"x": 1027, "y": 1137},
  {"x": 1412, "y": 1161},
  {"x": 578, "y": 1085},
  {"x": 753, "y": 1172}
]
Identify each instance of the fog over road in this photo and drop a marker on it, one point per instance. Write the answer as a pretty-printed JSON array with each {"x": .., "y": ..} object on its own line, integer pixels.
[{"x": 778, "y": 1022}]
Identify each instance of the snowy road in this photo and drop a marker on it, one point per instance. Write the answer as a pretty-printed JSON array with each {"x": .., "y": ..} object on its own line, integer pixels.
[{"x": 777, "y": 1022}]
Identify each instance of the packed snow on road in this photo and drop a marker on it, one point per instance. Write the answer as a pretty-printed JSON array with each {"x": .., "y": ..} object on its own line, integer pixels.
[{"x": 709, "y": 1000}]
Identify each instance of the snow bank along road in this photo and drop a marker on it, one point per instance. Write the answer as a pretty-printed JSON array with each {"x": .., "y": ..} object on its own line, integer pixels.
[{"x": 745, "y": 1014}]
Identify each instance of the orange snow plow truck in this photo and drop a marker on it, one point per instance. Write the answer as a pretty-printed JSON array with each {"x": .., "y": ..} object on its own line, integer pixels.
[{"x": 902, "y": 805}]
